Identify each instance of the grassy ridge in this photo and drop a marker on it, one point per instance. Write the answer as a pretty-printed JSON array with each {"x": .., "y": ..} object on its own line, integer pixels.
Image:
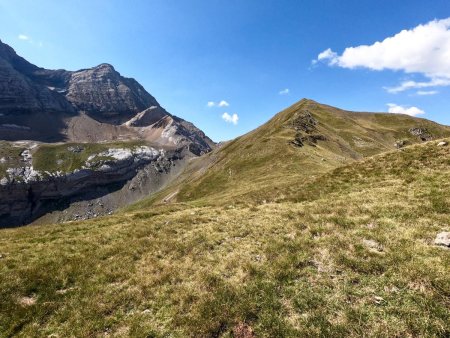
[
  {"x": 299, "y": 266},
  {"x": 262, "y": 164},
  {"x": 10, "y": 155}
]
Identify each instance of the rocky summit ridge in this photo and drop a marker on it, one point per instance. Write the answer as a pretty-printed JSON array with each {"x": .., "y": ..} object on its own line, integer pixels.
[{"x": 47, "y": 105}]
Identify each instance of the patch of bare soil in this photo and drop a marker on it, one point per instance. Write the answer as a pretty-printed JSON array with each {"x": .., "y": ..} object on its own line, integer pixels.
[{"x": 243, "y": 330}]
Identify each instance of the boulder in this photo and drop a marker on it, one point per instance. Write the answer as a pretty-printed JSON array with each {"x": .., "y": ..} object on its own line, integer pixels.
[{"x": 442, "y": 239}]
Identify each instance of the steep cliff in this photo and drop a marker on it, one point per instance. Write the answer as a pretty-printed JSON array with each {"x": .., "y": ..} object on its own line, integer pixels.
[{"x": 43, "y": 178}]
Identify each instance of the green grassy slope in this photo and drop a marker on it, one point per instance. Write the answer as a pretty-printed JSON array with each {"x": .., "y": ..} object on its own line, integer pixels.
[
  {"x": 262, "y": 164},
  {"x": 51, "y": 157},
  {"x": 345, "y": 252},
  {"x": 9, "y": 156}
]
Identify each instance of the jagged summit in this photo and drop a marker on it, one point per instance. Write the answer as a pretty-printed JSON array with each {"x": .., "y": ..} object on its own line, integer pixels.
[
  {"x": 105, "y": 65},
  {"x": 48, "y": 105}
]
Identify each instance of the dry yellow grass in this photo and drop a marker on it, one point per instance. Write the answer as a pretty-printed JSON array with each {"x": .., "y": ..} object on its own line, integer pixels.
[{"x": 297, "y": 265}]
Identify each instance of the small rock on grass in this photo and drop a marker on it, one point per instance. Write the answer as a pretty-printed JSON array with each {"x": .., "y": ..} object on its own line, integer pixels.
[
  {"x": 443, "y": 239},
  {"x": 27, "y": 301},
  {"x": 442, "y": 144},
  {"x": 372, "y": 245},
  {"x": 378, "y": 300}
]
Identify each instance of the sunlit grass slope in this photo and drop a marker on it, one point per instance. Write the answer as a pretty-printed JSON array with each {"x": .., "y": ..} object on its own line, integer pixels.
[
  {"x": 262, "y": 164},
  {"x": 348, "y": 253}
]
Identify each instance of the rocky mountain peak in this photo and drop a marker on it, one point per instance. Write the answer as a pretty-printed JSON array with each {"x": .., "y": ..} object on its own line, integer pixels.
[
  {"x": 105, "y": 66},
  {"x": 106, "y": 95},
  {"x": 50, "y": 105}
]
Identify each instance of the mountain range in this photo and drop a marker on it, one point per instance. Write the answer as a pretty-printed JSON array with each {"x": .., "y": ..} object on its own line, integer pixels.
[
  {"x": 321, "y": 222},
  {"x": 88, "y": 105}
]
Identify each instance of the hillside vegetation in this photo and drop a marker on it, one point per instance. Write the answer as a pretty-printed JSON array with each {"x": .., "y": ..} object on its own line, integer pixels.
[
  {"x": 335, "y": 247},
  {"x": 68, "y": 157},
  {"x": 263, "y": 164}
]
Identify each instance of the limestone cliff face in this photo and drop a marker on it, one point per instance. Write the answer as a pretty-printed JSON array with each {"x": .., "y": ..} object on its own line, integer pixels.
[
  {"x": 19, "y": 93},
  {"x": 104, "y": 93},
  {"x": 39, "y": 104},
  {"x": 25, "y": 194}
]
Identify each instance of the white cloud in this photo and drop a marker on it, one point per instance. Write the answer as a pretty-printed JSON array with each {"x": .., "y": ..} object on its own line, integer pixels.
[
  {"x": 427, "y": 92},
  {"x": 397, "y": 109},
  {"x": 284, "y": 91},
  {"x": 437, "y": 82},
  {"x": 222, "y": 103},
  {"x": 27, "y": 38},
  {"x": 230, "y": 118},
  {"x": 424, "y": 49},
  {"x": 329, "y": 56}
]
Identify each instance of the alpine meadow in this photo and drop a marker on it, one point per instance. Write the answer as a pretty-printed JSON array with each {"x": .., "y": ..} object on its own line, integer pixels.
[{"x": 119, "y": 218}]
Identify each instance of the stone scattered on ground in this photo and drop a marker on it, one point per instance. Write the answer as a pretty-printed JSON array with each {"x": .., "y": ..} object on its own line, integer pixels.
[
  {"x": 400, "y": 144},
  {"x": 27, "y": 301},
  {"x": 372, "y": 245},
  {"x": 64, "y": 291},
  {"x": 75, "y": 149},
  {"x": 443, "y": 239}
]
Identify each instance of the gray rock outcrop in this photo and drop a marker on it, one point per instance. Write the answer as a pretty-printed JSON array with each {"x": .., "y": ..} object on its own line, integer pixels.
[{"x": 305, "y": 126}]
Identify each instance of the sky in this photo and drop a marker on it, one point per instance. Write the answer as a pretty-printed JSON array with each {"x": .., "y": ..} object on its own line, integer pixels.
[{"x": 229, "y": 66}]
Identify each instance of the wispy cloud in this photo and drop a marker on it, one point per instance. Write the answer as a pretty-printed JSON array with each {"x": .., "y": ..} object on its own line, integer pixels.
[
  {"x": 230, "y": 118},
  {"x": 221, "y": 103},
  {"x": 436, "y": 82},
  {"x": 31, "y": 41},
  {"x": 397, "y": 109},
  {"x": 284, "y": 91},
  {"x": 424, "y": 50},
  {"x": 427, "y": 92}
]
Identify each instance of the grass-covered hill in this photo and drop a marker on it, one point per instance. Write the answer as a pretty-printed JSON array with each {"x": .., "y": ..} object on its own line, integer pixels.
[
  {"x": 267, "y": 162},
  {"x": 346, "y": 250}
]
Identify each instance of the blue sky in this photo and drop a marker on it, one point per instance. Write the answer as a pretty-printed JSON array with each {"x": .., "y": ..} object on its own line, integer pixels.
[{"x": 258, "y": 56}]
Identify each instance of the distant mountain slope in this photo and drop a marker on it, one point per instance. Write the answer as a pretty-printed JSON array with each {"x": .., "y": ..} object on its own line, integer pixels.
[
  {"x": 45, "y": 105},
  {"x": 299, "y": 143}
]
